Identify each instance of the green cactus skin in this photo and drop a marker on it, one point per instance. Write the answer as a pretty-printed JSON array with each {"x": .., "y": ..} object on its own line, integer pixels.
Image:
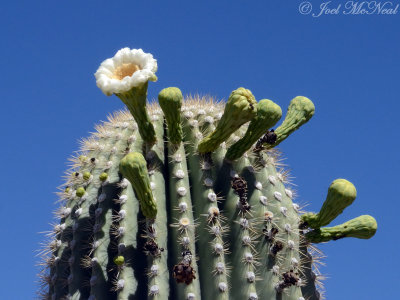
[
  {"x": 156, "y": 157},
  {"x": 83, "y": 241},
  {"x": 103, "y": 225},
  {"x": 273, "y": 205},
  {"x": 165, "y": 217},
  {"x": 127, "y": 243},
  {"x": 183, "y": 229},
  {"x": 243, "y": 255},
  {"x": 341, "y": 193}
]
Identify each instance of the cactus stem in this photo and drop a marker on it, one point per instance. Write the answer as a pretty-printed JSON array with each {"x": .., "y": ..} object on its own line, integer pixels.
[{"x": 135, "y": 100}]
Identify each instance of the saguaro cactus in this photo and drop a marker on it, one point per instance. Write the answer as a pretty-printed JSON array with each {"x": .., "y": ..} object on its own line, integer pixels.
[{"x": 187, "y": 200}]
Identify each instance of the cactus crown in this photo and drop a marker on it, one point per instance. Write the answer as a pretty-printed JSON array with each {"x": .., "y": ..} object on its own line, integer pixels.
[{"x": 187, "y": 200}]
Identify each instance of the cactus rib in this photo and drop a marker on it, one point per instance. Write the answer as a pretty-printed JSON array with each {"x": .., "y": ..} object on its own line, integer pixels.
[{"x": 212, "y": 247}]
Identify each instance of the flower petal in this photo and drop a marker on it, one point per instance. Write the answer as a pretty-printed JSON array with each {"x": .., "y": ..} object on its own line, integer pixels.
[{"x": 108, "y": 75}]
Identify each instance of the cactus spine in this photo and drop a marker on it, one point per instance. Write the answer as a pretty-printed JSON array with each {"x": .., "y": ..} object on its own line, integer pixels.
[{"x": 186, "y": 200}]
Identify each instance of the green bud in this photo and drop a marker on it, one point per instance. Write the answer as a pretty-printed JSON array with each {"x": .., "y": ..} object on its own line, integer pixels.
[
  {"x": 341, "y": 193},
  {"x": 103, "y": 176},
  {"x": 363, "y": 227},
  {"x": 119, "y": 260},
  {"x": 134, "y": 167},
  {"x": 300, "y": 111},
  {"x": 86, "y": 175},
  {"x": 268, "y": 113},
  {"x": 170, "y": 100},
  {"x": 80, "y": 192},
  {"x": 240, "y": 108}
]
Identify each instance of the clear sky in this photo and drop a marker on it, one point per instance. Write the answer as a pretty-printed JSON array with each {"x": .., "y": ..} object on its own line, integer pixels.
[{"x": 347, "y": 64}]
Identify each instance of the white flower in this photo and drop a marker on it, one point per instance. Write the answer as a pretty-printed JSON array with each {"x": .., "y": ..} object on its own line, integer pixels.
[{"x": 127, "y": 69}]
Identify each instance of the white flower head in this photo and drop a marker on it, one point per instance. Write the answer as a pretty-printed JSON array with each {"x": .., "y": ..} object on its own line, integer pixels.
[{"x": 127, "y": 69}]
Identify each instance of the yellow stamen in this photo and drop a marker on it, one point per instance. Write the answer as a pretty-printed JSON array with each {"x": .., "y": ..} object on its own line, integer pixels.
[{"x": 125, "y": 70}]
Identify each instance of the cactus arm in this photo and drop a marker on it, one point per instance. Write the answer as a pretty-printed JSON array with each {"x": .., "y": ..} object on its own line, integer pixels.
[
  {"x": 341, "y": 193},
  {"x": 170, "y": 100},
  {"x": 239, "y": 109},
  {"x": 134, "y": 167},
  {"x": 183, "y": 231},
  {"x": 362, "y": 227},
  {"x": 213, "y": 280},
  {"x": 300, "y": 111},
  {"x": 135, "y": 100},
  {"x": 268, "y": 113}
]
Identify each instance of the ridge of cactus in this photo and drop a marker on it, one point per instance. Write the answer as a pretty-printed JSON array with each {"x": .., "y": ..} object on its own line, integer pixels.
[{"x": 186, "y": 199}]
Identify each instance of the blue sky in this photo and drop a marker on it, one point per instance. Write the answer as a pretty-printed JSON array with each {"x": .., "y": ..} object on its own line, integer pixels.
[{"x": 347, "y": 64}]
